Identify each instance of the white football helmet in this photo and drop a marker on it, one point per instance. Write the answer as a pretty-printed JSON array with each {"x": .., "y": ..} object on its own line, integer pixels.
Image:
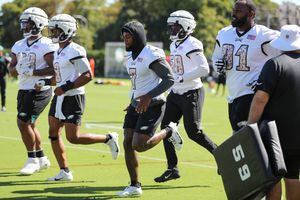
[
  {"x": 181, "y": 24},
  {"x": 66, "y": 23},
  {"x": 32, "y": 21}
]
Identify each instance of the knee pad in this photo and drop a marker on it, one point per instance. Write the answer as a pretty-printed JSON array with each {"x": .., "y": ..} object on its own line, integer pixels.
[{"x": 53, "y": 138}]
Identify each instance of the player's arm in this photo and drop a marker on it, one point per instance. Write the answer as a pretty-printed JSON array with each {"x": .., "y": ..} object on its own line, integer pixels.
[
  {"x": 48, "y": 71},
  {"x": 199, "y": 60},
  {"x": 82, "y": 65},
  {"x": 162, "y": 69},
  {"x": 12, "y": 65}
]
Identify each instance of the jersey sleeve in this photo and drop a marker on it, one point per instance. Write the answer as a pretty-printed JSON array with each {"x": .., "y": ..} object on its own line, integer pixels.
[
  {"x": 156, "y": 54},
  {"x": 267, "y": 36},
  {"x": 268, "y": 77},
  {"x": 77, "y": 53}
]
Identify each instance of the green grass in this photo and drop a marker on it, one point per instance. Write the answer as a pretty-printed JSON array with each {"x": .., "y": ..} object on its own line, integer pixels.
[{"x": 96, "y": 175}]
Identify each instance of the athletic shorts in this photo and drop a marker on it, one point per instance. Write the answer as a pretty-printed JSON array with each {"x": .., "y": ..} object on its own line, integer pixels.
[
  {"x": 292, "y": 162},
  {"x": 145, "y": 123},
  {"x": 239, "y": 111},
  {"x": 32, "y": 103},
  {"x": 72, "y": 108}
]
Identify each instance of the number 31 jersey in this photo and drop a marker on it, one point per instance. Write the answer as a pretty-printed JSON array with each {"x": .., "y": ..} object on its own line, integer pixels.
[{"x": 244, "y": 55}]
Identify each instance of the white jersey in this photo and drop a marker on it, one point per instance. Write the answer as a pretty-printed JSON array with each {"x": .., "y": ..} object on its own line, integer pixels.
[
  {"x": 33, "y": 57},
  {"x": 65, "y": 69},
  {"x": 143, "y": 79},
  {"x": 182, "y": 64},
  {"x": 245, "y": 54}
]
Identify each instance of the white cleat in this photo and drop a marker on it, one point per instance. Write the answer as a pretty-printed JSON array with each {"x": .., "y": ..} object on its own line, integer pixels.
[
  {"x": 44, "y": 163},
  {"x": 130, "y": 191},
  {"x": 62, "y": 176},
  {"x": 31, "y": 166},
  {"x": 3, "y": 109},
  {"x": 114, "y": 145},
  {"x": 175, "y": 138}
]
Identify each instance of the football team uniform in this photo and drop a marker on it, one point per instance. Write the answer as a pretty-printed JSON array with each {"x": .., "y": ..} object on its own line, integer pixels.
[
  {"x": 143, "y": 80},
  {"x": 68, "y": 107},
  {"x": 30, "y": 102},
  {"x": 244, "y": 55},
  {"x": 186, "y": 99}
]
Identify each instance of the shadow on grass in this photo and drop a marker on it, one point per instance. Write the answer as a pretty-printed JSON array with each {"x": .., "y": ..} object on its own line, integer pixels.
[
  {"x": 37, "y": 182},
  {"x": 9, "y": 174},
  {"x": 96, "y": 192}
]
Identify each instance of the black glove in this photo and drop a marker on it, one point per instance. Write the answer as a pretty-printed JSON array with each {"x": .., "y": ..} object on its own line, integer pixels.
[{"x": 221, "y": 66}]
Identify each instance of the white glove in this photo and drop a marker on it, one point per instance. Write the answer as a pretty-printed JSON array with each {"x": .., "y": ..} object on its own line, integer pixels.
[
  {"x": 178, "y": 79},
  {"x": 40, "y": 83},
  {"x": 28, "y": 71}
]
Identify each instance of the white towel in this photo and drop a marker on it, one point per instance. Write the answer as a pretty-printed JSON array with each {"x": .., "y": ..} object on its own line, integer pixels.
[{"x": 58, "y": 108}]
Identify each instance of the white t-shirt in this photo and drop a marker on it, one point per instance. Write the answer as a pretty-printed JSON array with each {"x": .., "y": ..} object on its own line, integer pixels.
[
  {"x": 245, "y": 55},
  {"x": 65, "y": 69},
  {"x": 144, "y": 79},
  {"x": 182, "y": 64},
  {"x": 33, "y": 57}
]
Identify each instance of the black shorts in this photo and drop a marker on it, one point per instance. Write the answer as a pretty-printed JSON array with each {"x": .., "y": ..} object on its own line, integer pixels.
[
  {"x": 72, "y": 108},
  {"x": 292, "y": 162},
  {"x": 239, "y": 111},
  {"x": 145, "y": 123},
  {"x": 31, "y": 104}
]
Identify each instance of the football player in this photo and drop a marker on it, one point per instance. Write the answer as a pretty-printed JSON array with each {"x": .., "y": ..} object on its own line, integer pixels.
[
  {"x": 72, "y": 72},
  {"x": 32, "y": 59},
  {"x": 186, "y": 98},
  {"x": 151, "y": 77},
  {"x": 241, "y": 51}
]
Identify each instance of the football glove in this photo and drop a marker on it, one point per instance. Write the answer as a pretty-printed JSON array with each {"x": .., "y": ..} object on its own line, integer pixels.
[{"x": 221, "y": 66}]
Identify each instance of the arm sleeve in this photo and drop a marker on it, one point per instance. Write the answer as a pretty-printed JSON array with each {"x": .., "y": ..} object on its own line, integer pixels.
[
  {"x": 162, "y": 69},
  {"x": 199, "y": 60},
  {"x": 268, "y": 77}
]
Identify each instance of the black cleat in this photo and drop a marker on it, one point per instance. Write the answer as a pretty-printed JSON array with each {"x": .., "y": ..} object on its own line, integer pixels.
[{"x": 169, "y": 174}]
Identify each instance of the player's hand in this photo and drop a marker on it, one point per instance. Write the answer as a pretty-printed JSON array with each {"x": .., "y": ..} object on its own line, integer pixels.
[
  {"x": 39, "y": 84},
  {"x": 178, "y": 79},
  {"x": 221, "y": 66},
  {"x": 58, "y": 91},
  {"x": 143, "y": 103}
]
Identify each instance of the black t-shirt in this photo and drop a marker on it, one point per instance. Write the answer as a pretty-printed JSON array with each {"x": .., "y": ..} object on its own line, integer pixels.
[{"x": 280, "y": 78}]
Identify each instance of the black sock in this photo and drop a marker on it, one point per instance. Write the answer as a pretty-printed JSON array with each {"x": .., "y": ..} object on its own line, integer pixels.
[
  {"x": 31, "y": 154},
  {"x": 108, "y": 137},
  {"x": 135, "y": 184},
  {"x": 66, "y": 169},
  {"x": 40, "y": 153},
  {"x": 169, "y": 131}
]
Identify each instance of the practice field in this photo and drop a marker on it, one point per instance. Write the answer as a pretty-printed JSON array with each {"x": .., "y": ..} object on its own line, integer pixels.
[{"x": 96, "y": 175}]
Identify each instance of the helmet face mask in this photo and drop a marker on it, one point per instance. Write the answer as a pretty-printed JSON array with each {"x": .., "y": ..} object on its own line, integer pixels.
[
  {"x": 62, "y": 27},
  {"x": 180, "y": 25},
  {"x": 32, "y": 21}
]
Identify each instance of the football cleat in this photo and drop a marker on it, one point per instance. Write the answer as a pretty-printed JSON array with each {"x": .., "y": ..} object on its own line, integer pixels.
[
  {"x": 175, "y": 138},
  {"x": 130, "y": 191},
  {"x": 3, "y": 109},
  {"x": 44, "y": 162},
  {"x": 62, "y": 176},
  {"x": 114, "y": 145},
  {"x": 169, "y": 174},
  {"x": 31, "y": 166}
]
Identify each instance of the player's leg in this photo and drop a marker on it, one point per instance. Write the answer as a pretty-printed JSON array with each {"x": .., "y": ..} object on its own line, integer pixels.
[
  {"x": 3, "y": 93},
  {"x": 274, "y": 193},
  {"x": 173, "y": 114},
  {"x": 146, "y": 126},
  {"x": 41, "y": 100},
  {"x": 25, "y": 108},
  {"x": 192, "y": 112},
  {"x": 131, "y": 157},
  {"x": 73, "y": 113},
  {"x": 238, "y": 111}
]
